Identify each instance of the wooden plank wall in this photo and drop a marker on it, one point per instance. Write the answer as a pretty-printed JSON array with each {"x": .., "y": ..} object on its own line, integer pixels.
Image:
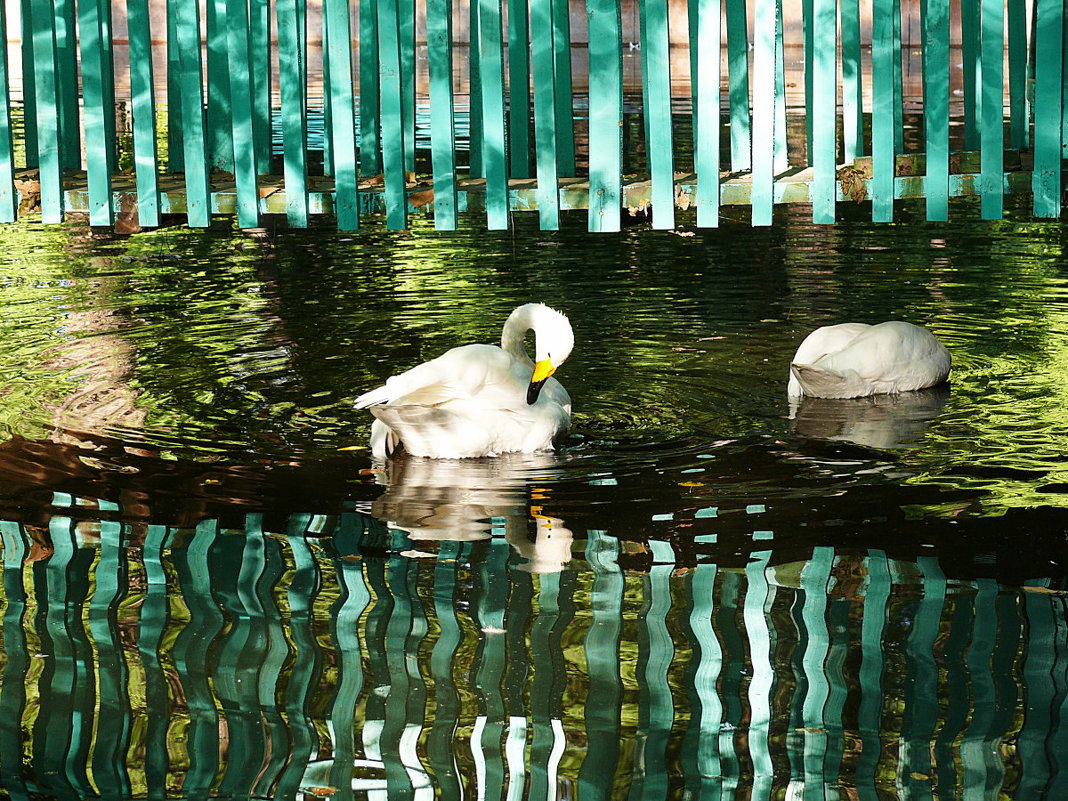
[{"x": 229, "y": 99}]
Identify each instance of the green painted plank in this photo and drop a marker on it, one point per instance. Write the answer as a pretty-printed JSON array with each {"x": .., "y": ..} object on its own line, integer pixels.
[
  {"x": 48, "y": 114},
  {"x": 143, "y": 109},
  {"x": 852, "y": 83},
  {"x": 1017, "y": 33},
  {"x": 389, "y": 77},
  {"x": 519, "y": 87},
  {"x": 1049, "y": 32},
  {"x": 606, "y": 114},
  {"x": 474, "y": 114},
  {"x": 292, "y": 86},
  {"x": 656, "y": 82},
  {"x": 898, "y": 108},
  {"x": 565, "y": 117},
  {"x": 494, "y": 143},
  {"x": 338, "y": 48},
  {"x": 241, "y": 103},
  {"x": 808, "y": 26},
  {"x": 781, "y": 162},
  {"x": 260, "y": 64},
  {"x": 220, "y": 133},
  {"x": 8, "y": 197},
  {"x": 406, "y": 30},
  {"x": 882, "y": 117},
  {"x": 992, "y": 106},
  {"x": 764, "y": 102},
  {"x": 175, "y": 147},
  {"x": 197, "y": 189},
  {"x": 970, "y": 67},
  {"x": 824, "y": 105},
  {"x": 108, "y": 83},
  {"x": 706, "y": 148},
  {"x": 442, "y": 116},
  {"x": 98, "y": 176},
  {"x": 328, "y": 113},
  {"x": 541, "y": 32},
  {"x": 66, "y": 61},
  {"x": 872, "y": 672},
  {"x": 738, "y": 84},
  {"x": 370, "y": 152},
  {"x": 29, "y": 91},
  {"x": 936, "y": 106},
  {"x": 692, "y": 14}
]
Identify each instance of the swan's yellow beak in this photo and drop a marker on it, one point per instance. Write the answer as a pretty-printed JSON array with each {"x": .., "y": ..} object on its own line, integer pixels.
[{"x": 542, "y": 371}]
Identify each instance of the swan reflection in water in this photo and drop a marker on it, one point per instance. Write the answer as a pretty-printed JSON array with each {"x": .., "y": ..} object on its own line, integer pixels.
[
  {"x": 473, "y": 499},
  {"x": 886, "y": 422}
]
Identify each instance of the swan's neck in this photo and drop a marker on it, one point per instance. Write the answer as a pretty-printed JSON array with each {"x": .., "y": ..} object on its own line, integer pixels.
[{"x": 515, "y": 330}]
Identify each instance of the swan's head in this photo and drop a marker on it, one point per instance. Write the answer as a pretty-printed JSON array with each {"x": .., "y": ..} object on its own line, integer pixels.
[{"x": 553, "y": 341}]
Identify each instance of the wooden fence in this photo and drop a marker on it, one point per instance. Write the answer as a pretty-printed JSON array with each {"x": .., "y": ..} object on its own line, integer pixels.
[{"x": 524, "y": 106}]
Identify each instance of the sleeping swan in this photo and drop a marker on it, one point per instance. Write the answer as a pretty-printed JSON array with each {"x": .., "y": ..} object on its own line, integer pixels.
[
  {"x": 853, "y": 360},
  {"x": 479, "y": 400}
]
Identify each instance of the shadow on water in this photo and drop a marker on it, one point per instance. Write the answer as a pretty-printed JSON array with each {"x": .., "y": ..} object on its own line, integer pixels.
[{"x": 210, "y": 590}]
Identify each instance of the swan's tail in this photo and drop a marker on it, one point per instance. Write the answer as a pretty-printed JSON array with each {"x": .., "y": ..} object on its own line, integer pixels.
[
  {"x": 373, "y": 397},
  {"x": 819, "y": 383}
]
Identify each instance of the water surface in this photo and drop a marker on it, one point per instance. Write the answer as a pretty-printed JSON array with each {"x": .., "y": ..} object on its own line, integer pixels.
[{"x": 211, "y": 589}]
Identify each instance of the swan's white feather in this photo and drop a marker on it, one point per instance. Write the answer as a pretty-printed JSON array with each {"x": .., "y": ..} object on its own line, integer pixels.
[
  {"x": 472, "y": 400},
  {"x": 852, "y": 360}
]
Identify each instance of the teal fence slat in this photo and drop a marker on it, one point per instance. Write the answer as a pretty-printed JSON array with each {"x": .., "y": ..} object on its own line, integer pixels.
[
  {"x": 346, "y": 187},
  {"x": 764, "y": 102},
  {"x": 291, "y": 83},
  {"x": 389, "y": 77},
  {"x": 1017, "y": 46},
  {"x": 781, "y": 161},
  {"x": 241, "y": 102},
  {"x": 898, "y": 108},
  {"x": 494, "y": 143},
  {"x": 936, "y": 106},
  {"x": 1046, "y": 179},
  {"x": 328, "y": 113},
  {"x": 808, "y": 25},
  {"x": 474, "y": 114},
  {"x": 175, "y": 146},
  {"x": 824, "y": 106},
  {"x": 565, "y": 125},
  {"x": 738, "y": 84},
  {"x": 48, "y": 114},
  {"x": 143, "y": 108},
  {"x": 882, "y": 113},
  {"x": 8, "y": 198},
  {"x": 970, "y": 47},
  {"x": 606, "y": 115},
  {"x": 259, "y": 40},
  {"x": 519, "y": 88},
  {"x": 29, "y": 92},
  {"x": 66, "y": 64},
  {"x": 992, "y": 107},
  {"x": 97, "y": 141},
  {"x": 852, "y": 83},
  {"x": 706, "y": 122},
  {"x": 220, "y": 133},
  {"x": 406, "y": 33},
  {"x": 656, "y": 83},
  {"x": 370, "y": 153},
  {"x": 545, "y": 128},
  {"x": 197, "y": 189},
  {"x": 442, "y": 118}
]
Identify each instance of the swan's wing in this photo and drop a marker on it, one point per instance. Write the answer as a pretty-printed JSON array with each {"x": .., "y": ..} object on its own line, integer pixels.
[
  {"x": 464, "y": 372},
  {"x": 817, "y": 345},
  {"x": 893, "y": 357}
]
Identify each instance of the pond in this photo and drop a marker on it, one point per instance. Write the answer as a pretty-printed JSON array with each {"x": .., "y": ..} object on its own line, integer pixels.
[{"x": 210, "y": 589}]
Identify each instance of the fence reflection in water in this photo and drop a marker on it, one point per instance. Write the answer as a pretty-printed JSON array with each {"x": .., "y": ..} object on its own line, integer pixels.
[{"x": 335, "y": 654}]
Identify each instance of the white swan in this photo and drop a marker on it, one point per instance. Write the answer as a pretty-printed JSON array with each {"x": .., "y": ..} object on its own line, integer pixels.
[
  {"x": 479, "y": 400},
  {"x": 853, "y": 360}
]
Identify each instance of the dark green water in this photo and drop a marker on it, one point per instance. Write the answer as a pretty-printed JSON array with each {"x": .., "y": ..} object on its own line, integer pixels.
[{"x": 210, "y": 590}]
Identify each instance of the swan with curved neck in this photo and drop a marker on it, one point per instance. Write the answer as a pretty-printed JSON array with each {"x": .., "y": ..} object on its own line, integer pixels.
[
  {"x": 853, "y": 360},
  {"x": 479, "y": 400}
]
